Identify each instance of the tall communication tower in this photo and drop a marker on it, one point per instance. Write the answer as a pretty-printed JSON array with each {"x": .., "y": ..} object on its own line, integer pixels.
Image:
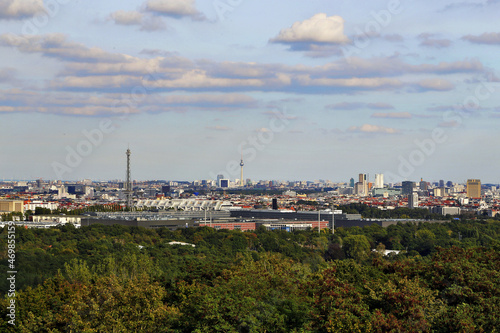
[
  {"x": 241, "y": 165},
  {"x": 128, "y": 185}
]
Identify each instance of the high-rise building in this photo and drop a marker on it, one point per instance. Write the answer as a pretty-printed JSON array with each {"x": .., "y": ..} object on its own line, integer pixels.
[
  {"x": 361, "y": 187},
  {"x": 379, "y": 180},
  {"x": 423, "y": 185},
  {"x": 362, "y": 177},
  {"x": 474, "y": 188},
  {"x": 219, "y": 178},
  {"x": 439, "y": 192},
  {"x": 275, "y": 203},
  {"x": 407, "y": 188},
  {"x": 351, "y": 183},
  {"x": 224, "y": 183},
  {"x": 413, "y": 200},
  {"x": 165, "y": 189}
]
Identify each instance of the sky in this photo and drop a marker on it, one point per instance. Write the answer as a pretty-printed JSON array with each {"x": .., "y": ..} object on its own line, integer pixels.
[{"x": 301, "y": 90}]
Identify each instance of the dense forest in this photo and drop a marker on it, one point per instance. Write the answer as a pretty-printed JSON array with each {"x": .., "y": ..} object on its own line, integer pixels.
[{"x": 445, "y": 278}]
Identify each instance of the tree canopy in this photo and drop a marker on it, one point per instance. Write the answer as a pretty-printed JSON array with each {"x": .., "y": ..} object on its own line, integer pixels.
[{"x": 127, "y": 279}]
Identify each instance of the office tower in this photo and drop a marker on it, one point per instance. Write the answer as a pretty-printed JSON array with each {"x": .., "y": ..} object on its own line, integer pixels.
[
  {"x": 361, "y": 187},
  {"x": 224, "y": 183},
  {"x": 165, "y": 189},
  {"x": 219, "y": 178},
  {"x": 439, "y": 192},
  {"x": 423, "y": 185},
  {"x": 379, "y": 180},
  {"x": 362, "y": 177},
  {"x": 351, "y": 183},
  {"x": 474, "y": 188},
  {"x": 413, "y": 200},
  {"x": 275, "y": 204},
  {"x": 407, "y": 188},
  {"x": 441, "y": 183}
]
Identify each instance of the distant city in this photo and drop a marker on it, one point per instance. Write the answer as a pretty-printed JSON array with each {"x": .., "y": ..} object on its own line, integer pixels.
[{"x": 237, "y": 203}]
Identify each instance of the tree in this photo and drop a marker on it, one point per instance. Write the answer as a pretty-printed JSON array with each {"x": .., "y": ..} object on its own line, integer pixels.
[
  {"x": 424, "y": 241},
  {"x": 336, "y": 306},
  {"x": 356, "y": 247},
  {"x": 252, "y": 296}
]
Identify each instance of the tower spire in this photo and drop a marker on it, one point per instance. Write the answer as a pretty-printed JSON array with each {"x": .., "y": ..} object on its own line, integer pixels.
[
  {"x": 241, "y": 165},
  {"x": 128, "y": 185}
]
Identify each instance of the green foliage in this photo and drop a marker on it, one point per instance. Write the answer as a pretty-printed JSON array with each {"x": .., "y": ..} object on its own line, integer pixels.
[
  {"x": 356, "y": 247},
  {"x": 107, "y": 305},
  {"x": 397, "y": 213},
  {"x": 42, "y": 211},
  {"x": 121, "y": 279},
  {"x": 251, "y": 296}
]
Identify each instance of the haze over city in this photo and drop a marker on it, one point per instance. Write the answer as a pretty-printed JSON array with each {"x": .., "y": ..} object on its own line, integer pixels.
[{"x": 301, "y": 90}]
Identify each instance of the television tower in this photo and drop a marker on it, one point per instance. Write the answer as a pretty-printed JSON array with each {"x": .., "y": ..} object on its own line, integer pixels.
[
  {"x": 128, "y": 185},
  {"x": 241, "y": 165}
]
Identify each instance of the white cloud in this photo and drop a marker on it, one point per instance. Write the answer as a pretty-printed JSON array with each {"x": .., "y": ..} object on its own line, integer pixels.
[
  {"x": 367, "y": 128},
  {"x": 198, "y": 78},
  {"x": 95, "y": 69},
  {"x": 449, "y": 124},
  {"x": 392, "y": 115},
  {"x": 359, "y": 105},
  {"x": 152, "y": 23},
  {"x": 55, "y": 45},
  {"x": 147, "y": 22},
  {"x": 436, "y": 84},
  {"x": 392, "y": 66},
  {"x": 19, "y": 9},
  {"x": 127, "y": 18},
  {"x": 71, "y": 103},
  {"x": 429, "y": 40},
  {"x": 176, "y": 8},
  {"x": 208, "y": 100},
  {"x": 369, "y": 83},
  {"x": 491, "y": 38},
  {"x": 317, "y": 29},
  {"x": 380, "y": 106},
  {"x": 280, "y": 115}
]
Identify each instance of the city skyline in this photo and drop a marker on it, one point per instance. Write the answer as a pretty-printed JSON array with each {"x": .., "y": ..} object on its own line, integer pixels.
[
  {"x": 298, "y": 91},
  {"x": 235, "y": 182}
]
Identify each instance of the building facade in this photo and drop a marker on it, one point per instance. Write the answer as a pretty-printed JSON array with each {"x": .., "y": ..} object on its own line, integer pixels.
[
  {"x": 11, "y": 206},
  {"x": 474, "y": 188},
  {"x": 413, "y": 200},
  {"x": 407, "y": 188},
  {"x": 379, "y": 180}
]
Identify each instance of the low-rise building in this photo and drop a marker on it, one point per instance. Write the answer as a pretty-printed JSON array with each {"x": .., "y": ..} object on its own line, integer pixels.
[{"x": 56, "y": 219}]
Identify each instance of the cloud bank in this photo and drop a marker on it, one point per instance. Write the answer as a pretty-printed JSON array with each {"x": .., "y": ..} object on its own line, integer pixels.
[{"x": 20, "y": 9}]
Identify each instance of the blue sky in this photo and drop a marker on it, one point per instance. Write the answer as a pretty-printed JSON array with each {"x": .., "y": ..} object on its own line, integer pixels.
[{"x": 304, "y": 90}]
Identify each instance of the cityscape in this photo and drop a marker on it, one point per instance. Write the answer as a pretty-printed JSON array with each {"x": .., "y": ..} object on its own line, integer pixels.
[
  {"x": 244, "y": 166},
  {"x": 228, "y": 201}
]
